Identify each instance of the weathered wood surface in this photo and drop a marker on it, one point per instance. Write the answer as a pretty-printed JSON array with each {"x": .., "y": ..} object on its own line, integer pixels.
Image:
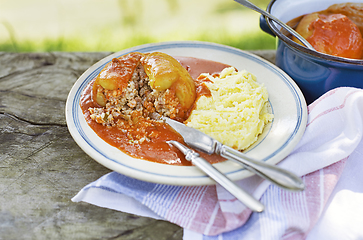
[{"x": 42, "y": 168}]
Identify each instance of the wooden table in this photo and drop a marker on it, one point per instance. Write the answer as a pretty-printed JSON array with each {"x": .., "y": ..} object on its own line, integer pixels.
[{"x": 42, "y": 168}]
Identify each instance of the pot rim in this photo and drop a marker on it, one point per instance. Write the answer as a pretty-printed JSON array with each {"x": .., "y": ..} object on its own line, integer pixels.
[{"x": 303, "y": 49}]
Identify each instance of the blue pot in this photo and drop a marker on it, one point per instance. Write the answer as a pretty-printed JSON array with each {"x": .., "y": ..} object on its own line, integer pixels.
[{"x": 315, "y": 73}]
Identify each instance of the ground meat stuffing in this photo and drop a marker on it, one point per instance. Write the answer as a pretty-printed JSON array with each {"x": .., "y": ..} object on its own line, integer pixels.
[{"x": 137, "y": 102}]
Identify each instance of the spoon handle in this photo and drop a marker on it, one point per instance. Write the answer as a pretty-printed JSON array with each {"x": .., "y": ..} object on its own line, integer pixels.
[
  {"x": 219, "y": 177},
  {"x": 282, "y": 24}
]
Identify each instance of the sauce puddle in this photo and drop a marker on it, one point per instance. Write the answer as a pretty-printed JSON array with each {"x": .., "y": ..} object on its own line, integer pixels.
[{"x": 155, "y": 150}]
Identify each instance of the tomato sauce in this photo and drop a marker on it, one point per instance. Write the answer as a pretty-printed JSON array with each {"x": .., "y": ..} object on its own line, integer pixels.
[
  {"x": 335, "y": 31},
  {"x": 155, "y": 149}
]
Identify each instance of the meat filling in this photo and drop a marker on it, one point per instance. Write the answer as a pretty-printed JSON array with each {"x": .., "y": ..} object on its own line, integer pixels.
[
  {"x": 135, "y": 101},
  {"x": 127, "y": 100}
]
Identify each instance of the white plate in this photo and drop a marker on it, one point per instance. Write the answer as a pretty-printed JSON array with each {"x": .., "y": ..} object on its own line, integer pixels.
[{"x": 277, "y": 141}]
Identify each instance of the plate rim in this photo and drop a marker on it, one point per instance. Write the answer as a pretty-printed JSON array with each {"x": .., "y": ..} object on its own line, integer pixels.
[{"x": 184, "y": 180}]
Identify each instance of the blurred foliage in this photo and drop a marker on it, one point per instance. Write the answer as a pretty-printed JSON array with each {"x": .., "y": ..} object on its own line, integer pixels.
[
  {"x": 228, "y": 7},
  {"x": 130, "y": 12},
  {"x": 247, "y": 42}
]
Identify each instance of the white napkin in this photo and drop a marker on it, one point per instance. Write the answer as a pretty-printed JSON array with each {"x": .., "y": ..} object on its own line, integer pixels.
[{"x": 328, "y": 158}]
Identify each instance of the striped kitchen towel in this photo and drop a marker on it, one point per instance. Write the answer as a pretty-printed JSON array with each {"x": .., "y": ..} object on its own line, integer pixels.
[{"x": 328, "y": 158}]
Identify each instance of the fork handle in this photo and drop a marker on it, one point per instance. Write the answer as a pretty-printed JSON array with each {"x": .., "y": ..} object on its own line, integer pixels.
[
  {"x": 219, "y": 177},
  {"x": 226, "y": 183}
]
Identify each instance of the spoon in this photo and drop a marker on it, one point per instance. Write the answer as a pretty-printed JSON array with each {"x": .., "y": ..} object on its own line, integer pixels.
[{"x": 282, "y": 24}]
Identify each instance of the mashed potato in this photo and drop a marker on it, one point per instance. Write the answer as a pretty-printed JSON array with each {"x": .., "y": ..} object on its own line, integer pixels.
[{"x": 237, "y": 111}]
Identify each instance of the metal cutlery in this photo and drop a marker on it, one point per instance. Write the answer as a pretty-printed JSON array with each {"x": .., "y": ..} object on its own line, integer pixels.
[
  {"x": 219, "y": 177},
  {"x": 201, "y": 141},
  {"x": 278, "y": 21}
]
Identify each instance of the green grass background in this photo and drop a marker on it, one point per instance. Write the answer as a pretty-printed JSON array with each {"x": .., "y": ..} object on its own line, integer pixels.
[{"x": 113, "y": 25}]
